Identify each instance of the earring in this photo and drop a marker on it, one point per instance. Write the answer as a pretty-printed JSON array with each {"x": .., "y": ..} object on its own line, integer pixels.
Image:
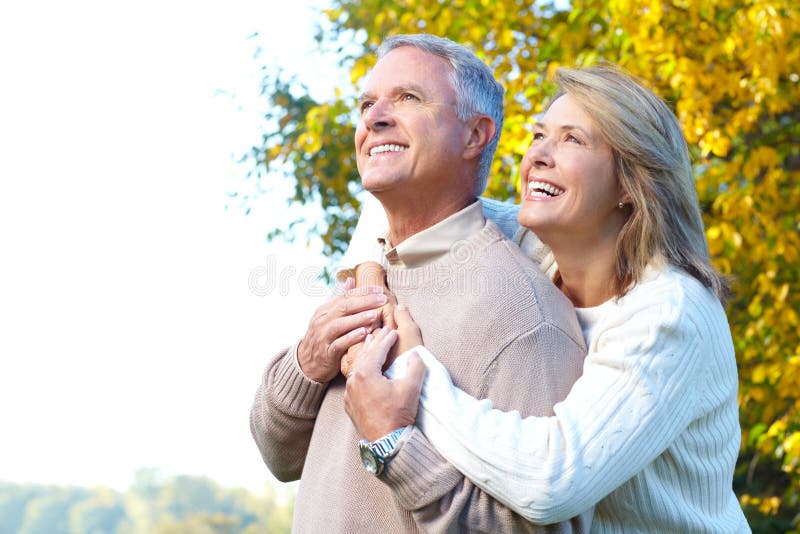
[{"x": 621, "y": 205}]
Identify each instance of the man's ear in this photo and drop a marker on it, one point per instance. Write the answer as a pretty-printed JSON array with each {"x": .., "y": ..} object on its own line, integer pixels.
[{"x": 482, "y": 129}]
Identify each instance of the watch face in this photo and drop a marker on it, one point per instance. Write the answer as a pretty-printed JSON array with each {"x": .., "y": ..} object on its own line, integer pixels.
[{"x": 371, "y": 463}]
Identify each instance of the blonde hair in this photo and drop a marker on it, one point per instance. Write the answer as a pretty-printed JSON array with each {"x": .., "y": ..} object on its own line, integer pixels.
[{"x": 651, "y": 159}]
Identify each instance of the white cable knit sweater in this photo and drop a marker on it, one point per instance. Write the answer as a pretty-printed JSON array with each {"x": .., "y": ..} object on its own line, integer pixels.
[{"x": 650, "y": 433}]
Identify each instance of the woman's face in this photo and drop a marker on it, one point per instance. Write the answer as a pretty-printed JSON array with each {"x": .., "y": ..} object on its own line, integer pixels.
[{"x": 569, "y": 186}]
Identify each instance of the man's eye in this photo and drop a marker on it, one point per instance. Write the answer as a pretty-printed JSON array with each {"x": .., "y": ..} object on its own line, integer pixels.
[
  {"x": 365, "y": 106},
  {"x": 409, "y": 96},
  {"x": 538, "y": 136}
]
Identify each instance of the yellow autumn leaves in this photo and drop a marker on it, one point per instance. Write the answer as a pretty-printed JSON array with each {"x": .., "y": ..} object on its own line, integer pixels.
[{"x": 730, "y": 69}]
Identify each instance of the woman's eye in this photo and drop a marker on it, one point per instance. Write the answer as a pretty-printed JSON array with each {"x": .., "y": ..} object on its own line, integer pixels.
[
  {"x": 572, "y": 139},
  {"x": 538, "y": 136}
]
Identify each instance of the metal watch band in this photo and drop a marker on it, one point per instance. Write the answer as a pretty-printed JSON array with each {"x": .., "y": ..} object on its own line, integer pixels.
[
  {"x": 375, "y": 455},
  {"x": 384, "y": 447}
]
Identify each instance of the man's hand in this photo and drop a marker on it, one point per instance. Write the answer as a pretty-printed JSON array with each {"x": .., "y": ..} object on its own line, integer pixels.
[
  {"x": 408, "y": 333},
  {"x": 335, "y": 327},
  {"x": 375, "y": 404}
]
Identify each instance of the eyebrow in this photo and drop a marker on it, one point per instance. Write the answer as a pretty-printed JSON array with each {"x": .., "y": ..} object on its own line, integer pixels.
[
  {"x": 565, "y": 127},
  {"x": 400, "y": 89}
]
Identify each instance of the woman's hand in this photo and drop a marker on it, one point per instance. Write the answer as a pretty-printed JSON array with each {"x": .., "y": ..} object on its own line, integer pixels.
[
  {"x": 407, "y": 331},
  {"x": 375, "y": 404},
  {"x": 371, "y": 274},
  {"x": 409, "y": 336}
]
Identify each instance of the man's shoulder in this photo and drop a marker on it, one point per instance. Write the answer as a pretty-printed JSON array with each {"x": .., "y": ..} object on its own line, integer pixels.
[
  {"x": 504, "y": 255},
  {"x": 503, "y": 279}
]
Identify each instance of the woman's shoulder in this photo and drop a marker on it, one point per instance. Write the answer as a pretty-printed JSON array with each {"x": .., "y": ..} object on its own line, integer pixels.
[
  {"x": 667, "y": 312},
  {"x": 503, "y": 214},
  {"x": 670, "y": 283},
  {"x": 672, "y": 295}
]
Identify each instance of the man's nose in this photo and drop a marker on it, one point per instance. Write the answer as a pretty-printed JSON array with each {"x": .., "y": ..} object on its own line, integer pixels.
[{"x": 379, "y": 115}]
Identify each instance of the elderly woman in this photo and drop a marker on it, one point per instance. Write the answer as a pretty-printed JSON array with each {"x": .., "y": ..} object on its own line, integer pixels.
[{"x": 649, "y": 435}]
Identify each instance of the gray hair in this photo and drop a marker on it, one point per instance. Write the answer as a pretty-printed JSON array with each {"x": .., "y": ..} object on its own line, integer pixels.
[{"x": 477, "y": 92}]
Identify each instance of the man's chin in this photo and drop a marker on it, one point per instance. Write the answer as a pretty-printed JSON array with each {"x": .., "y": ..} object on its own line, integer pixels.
[{"x": 376, "y": 186}]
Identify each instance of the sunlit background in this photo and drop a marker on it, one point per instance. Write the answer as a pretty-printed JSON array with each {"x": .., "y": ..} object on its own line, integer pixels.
[
  {"x": 140, "y": 300},
  {"x": 131, "y": 335}
]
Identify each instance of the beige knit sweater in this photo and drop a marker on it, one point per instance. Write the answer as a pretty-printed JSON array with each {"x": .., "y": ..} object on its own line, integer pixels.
[{"x": 507, "y": 334}]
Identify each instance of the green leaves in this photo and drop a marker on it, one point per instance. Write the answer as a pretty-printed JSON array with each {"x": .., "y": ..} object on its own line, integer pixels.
[{"x": 730, "y": 70}]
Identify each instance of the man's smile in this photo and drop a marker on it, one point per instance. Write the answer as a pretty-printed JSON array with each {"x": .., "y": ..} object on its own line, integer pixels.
[{"x": 380, "y": 149}]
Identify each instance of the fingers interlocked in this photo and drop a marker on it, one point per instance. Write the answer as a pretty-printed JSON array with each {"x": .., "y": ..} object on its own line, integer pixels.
[{"x": 335, "y": 327}]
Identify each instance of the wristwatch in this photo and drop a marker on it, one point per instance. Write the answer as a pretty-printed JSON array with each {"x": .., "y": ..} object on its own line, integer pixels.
[{"x": 375, "y": 455}]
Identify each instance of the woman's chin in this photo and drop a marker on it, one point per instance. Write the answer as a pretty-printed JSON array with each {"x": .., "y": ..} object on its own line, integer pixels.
[{"x": 530, "y": 216}]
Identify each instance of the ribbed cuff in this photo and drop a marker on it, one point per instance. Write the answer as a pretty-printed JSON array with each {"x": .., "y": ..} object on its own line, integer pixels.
[
  {"x": 293, "y": 392},
  {"x": 417, "y": 474}
]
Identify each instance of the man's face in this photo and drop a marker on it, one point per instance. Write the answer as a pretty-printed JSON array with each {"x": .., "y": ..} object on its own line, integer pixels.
[{"x": 409, "y": 136}]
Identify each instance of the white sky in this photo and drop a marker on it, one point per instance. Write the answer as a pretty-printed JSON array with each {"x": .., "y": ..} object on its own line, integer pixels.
[{"x": 128, "y": 335}]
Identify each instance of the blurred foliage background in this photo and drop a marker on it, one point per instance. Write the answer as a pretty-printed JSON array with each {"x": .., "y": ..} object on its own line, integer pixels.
[
  {"x": 730, "y": 70},
  {"x": 152, "y": 505}
]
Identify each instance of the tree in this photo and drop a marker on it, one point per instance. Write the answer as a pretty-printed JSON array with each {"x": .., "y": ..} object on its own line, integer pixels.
[
  {"x": 13, "y": 501},
  {"x": 100, "y": 512},
  {"x": 730, "y": 70},
  {"x": 152, "y": 505},
  {"x": 49, "y": 512}
]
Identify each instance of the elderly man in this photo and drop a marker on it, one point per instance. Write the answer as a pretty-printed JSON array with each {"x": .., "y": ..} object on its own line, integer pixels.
[{"x": 431, "y": 115}]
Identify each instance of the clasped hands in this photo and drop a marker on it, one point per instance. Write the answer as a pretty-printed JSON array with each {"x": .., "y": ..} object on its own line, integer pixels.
[{"x": 346, "y": 335}]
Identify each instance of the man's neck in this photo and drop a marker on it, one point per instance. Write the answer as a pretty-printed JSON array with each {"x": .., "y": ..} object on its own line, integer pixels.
[{"x": 408, "y": 219}]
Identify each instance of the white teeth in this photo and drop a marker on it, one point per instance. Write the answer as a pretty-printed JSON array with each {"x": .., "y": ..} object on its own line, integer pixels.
[
  {"x": 386, "y": 148},
  {"x": 542, "y": 189}
]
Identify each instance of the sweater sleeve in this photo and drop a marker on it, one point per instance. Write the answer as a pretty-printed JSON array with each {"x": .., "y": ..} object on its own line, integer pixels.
[
  {"x": 363, "y": 247},
  {"x": 442, "y": 499},
  {"x": 283, "y": 415},
  {"x": 639, "y": 390},
  {"x": 503, "y": 214}
]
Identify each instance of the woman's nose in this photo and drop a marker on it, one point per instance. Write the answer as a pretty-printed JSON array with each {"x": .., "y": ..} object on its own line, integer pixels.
[{"x": 540, "y": 154}]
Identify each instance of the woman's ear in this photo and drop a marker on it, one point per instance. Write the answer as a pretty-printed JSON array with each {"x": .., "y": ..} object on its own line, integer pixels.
[
  {"x": 622, "y": 195},
  {"x": 481, "y": 132}
]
